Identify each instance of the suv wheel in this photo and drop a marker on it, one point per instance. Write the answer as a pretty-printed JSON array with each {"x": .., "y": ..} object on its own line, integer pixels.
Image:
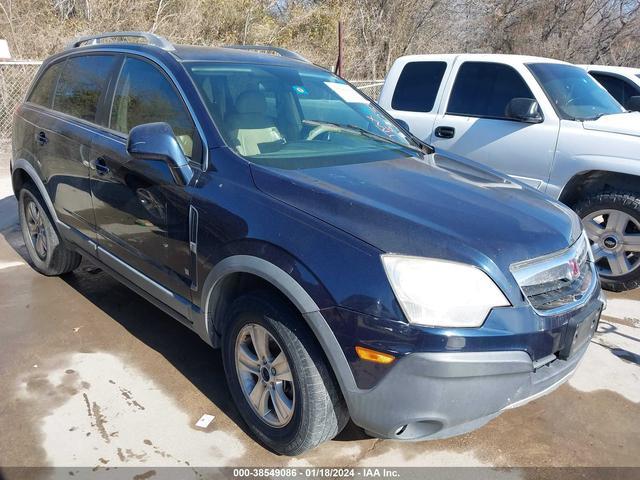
[
  {"x": 47, "y": 252},
  {"x": 612, "y": 223},
  {"x": 278, "y": 376}
]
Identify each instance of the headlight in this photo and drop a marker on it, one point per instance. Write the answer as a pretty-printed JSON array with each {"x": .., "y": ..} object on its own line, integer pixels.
[{"x": 439, "y": 293}]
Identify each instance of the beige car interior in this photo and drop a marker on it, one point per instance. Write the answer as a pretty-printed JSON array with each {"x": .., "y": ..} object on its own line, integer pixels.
[{"x": 250, "y": 126}]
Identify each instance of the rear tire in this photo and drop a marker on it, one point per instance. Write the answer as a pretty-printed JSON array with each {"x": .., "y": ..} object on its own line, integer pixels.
[
  {"x": 46, "y": 249},
  {"x": 612, "y": 223},
  {"x": 317, "y": 409}
]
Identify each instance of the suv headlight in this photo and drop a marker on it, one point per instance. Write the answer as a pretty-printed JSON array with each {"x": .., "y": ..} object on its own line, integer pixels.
[{"x": 440, "y": 293}]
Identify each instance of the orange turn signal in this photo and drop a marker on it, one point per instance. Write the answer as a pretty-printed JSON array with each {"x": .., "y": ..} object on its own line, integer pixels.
[{"x": 374, "y": 356}]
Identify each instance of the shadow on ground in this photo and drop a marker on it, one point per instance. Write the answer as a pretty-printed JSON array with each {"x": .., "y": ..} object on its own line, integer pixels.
[{"x": 194, "y": 359}]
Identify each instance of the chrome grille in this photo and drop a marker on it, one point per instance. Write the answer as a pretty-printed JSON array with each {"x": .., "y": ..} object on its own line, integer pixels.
[{"x": 559, "y": 281}]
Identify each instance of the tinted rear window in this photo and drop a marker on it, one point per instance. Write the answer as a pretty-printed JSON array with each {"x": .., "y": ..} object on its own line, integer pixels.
[
  {"x": 418, "y": 86},
  {"x": 42, "y": 92},
  {"x": 484, "y": 90},
  {"x": 82, "y": 82},
  {"x": 619, "y": 89}
]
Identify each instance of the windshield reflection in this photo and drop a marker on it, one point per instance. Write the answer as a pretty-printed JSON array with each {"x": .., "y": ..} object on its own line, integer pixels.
[
  {"x": 300, "y": 117},
  {"x": 573, "y": 92}
]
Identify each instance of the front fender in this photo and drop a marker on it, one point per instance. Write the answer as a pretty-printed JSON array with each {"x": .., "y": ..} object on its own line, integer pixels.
[
  {"x": 580, "y": 151},
  {"x": 287, "y": 285}
]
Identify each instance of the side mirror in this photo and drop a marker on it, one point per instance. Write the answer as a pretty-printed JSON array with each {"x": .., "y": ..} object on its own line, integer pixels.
[
  {"x": 156, "y": 141},
  {"x": 633, "y": 104},
  {"x": 523, "y": 110},
  {"x": 403, "y": 124}
]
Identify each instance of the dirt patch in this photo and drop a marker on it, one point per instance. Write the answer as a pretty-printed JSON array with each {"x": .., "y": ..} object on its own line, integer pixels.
[{"x": 628, "y": 321}]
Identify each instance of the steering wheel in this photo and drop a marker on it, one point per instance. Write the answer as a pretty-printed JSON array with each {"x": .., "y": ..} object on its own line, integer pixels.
[
  {"x": 319, "y": 130},
  {"x": 573, "y": 100}
]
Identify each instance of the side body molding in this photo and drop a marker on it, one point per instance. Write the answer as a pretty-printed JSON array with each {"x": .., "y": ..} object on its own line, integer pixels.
[{"x": 294, "y": 292}]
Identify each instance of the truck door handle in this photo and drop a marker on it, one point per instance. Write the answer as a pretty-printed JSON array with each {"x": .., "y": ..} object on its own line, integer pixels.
[
  {"x": 41, "y": 138},
  {"x": 101, "y": 166},
  {"x": 445, "y": 132}
]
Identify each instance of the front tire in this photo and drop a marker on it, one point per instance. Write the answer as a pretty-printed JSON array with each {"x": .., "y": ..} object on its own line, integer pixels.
[
  {"x": 47, "y": 252},
  {"x": 278, "y": 376},
  {"x": 612, "y": 223}
]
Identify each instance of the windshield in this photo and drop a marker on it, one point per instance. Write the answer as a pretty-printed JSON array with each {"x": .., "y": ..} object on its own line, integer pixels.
[
  {"x": 574, "y": 93},
  {"x": 296, "y": 117}
]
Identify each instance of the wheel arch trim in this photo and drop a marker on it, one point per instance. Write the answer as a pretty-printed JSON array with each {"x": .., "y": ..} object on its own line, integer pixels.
[
  {"x": 577, "y": 181},
  {"x": 24, "y": 165},
  {"x": 289, "y": 287}
]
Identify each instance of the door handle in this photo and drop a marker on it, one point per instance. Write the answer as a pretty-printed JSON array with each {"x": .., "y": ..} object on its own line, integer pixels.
[
  {"x": 100, "y": 165},
  {"x": 41, "y": 138},
  {"x": 445, "y": 132}
]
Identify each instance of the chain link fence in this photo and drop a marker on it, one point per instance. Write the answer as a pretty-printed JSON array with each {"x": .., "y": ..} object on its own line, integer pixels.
[
  {"x": 15, "y": 78},
  {"x": 369, "y": 87}
]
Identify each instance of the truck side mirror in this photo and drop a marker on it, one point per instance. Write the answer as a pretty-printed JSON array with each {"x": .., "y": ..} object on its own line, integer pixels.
[
  {"x": 633, "y": 104},
  {"x": 403, "y": 124},
  {"x": 156, "y": 141},
  {"x": 523, "y": 110}
]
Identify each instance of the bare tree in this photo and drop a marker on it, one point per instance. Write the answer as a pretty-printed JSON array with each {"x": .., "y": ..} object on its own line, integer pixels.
[{"x": 376, "y": 32}]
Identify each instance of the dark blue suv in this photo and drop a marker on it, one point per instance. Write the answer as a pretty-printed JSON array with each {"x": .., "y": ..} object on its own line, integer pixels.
[{"x": 345, "y": 268}]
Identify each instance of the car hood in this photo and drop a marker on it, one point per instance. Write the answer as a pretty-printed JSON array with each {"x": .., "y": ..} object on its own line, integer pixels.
[
  {"x": 442, "y": 208},
  {"x": 623, "y": 123}
]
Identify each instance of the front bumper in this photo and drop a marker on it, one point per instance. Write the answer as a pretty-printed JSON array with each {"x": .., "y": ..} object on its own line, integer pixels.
[{"x": 441, "y": 394}]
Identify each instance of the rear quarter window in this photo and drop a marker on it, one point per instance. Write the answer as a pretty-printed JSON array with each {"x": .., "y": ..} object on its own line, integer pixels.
[
  {"x": 418, "y": 86},
  {"x": 81, "y": 84},
  {"x": 42, "y": 92}
]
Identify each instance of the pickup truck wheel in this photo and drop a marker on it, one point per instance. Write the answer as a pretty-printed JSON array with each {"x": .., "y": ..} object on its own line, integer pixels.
[
  {"x": 278, "y": 376},
  {"x": 47, "y": 252},
  {"x": 612, "y": 223}
]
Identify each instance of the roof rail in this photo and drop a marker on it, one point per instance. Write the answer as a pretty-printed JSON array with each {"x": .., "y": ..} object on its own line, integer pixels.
[
  {"x": 151, "y": 38},
  {"x": 283, "y": 52}
]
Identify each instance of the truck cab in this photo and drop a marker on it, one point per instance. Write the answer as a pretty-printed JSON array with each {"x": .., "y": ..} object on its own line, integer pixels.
[{"x": 547, "y": 124}]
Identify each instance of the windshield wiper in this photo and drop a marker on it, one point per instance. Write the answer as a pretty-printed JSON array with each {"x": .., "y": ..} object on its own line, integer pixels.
[
  {"x": 365, "y": 133},
  {"x": 596, "y": 117},
  {"x": 600, "y": 115}
]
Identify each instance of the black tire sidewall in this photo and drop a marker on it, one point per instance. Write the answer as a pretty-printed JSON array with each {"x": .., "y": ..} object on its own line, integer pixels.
[
  {"x": 27, "y": 193},
  {"x": 261, "y": 314},
  {"x": 623, "y": 202}
]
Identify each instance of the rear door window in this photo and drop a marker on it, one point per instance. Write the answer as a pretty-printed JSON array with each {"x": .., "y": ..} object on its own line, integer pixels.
[
  {"x": 81, "y": 84},
  {"x": 619, "y": 89},
  {"x": 144, "y": 95},
  {"x": 418, "y": 86},
  {"x": 42, "y": 92},
  {"x": 485, "y": 89}
]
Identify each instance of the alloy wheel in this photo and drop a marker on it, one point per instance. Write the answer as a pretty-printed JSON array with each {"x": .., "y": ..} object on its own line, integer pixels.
[
  {"x": 37, "y": 229},
  {"x": 615, "y": 241},
  {"x": 265, "y": 375}
]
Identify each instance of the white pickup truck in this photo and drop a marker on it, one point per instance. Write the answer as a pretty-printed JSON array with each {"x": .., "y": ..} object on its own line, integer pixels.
[{"x": 547, "y": 123}]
